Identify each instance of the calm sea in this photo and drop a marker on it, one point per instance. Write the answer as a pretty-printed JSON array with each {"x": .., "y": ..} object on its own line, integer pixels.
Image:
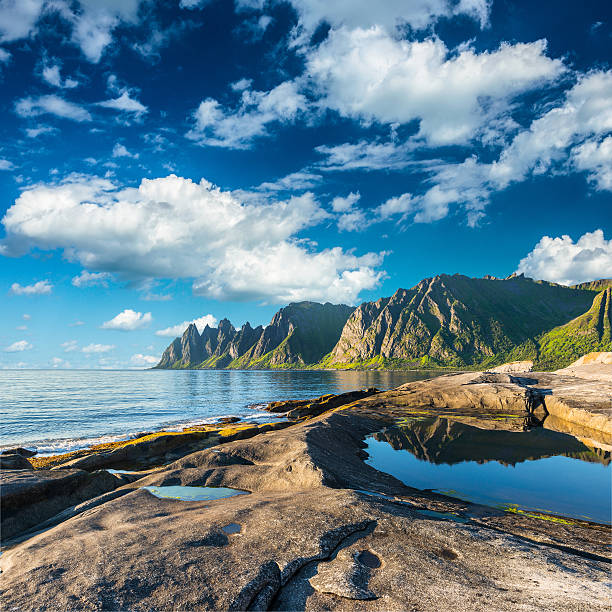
[{"x": 58, "y": 411}]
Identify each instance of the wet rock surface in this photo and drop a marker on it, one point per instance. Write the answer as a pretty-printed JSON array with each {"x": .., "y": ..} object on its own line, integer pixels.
[{"x": 320, "y": 529}]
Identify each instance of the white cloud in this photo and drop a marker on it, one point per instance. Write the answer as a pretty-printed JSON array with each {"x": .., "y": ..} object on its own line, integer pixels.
[
  {"x": 177, "y": 330},
  {"x": 351, "y": 218},
  {"x": 125, "y": 103},
  {"x": 98, "y": 348},
  {"x": 21, "y": 327},
  {"x": 26, "y": 316},
  {"x": 5, "y": 56},
  {"x": 70, "y": 345},
  {"x": 128, "y": 320},
  {"x": 18, "y": 18},
  {"x": 51, "y": 105},
  {"x": 58, "y": 362},
  {"x": 5, "y": 164},
  {"x": 39, "y": 288},
  {"x": 237, "y": 129},
  {"x": 296, "y": 181},
  {"x": 94, "y": 24},
  {"x": 365, "y": 155},
  {"x": 17, "y": 347},
  {"x": 52, "y": 75},
  {"x": 369, "y": 75},
  {"x": 344, "y": 204},
  {"x": 596, "y": 158},
  {"x": 91, "y": 279},
  {"x": 41, "y": 129},
  {"x": 174, "y": 228},
  {"x": 569, "y": 136},
  {"x": 143, "y": 360},
  {"x": 119, "y": 150},
  {"x": 561, "y": 260},
  {"x": 388, "y": 13}
]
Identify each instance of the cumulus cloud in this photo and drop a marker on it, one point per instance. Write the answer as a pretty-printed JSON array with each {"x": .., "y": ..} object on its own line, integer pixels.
[
  {"x": 125, "y": 103},
  {"x": 561, "y": 260},
  {"x": 39, "y": 288},
  {"x": 97, "y": 348},
  {"x": 18, "y": 347},
  {"x": 128, "y": 320},
  {"x": 5, "y": 164},
  {"x": 91, "y": 279},
  {"x": 70, "y": 345},
  {"x": 177, "y": 330},
  {"x": 389, "y": 14},
  {"x": 143, "y": 360},
  {"x": 595, "y": 158},
  {"x": 369, "y": 75},
  {"x": 572, "y": 135},
  {"x": 119, "y": 150},
  {"x": 51, "y": 74},
  {"x": 257, "y": 110},
  {"x": 18, "y": 18},
  {"x": 91, "y": 21},
  {"x": 174, "y": 228},
  {"x": 51, "y": 105},
  {"x": 58, "y": 362}
]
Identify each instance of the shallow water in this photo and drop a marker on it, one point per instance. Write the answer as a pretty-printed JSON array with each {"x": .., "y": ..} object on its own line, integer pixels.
[
  {"x": 538, "y": 470},
  {"x": 193, "y": 493},
  {"x": 58, "y": 411}
]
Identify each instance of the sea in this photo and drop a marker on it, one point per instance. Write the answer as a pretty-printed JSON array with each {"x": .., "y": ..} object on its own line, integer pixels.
[{"x": 58, "y": 411}]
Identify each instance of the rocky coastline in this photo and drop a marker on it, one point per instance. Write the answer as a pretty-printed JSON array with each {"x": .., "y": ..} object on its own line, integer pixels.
[{"x": 319, "y": 527}]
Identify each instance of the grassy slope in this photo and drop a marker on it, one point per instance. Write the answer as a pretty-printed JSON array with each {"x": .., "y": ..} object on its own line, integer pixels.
[{"x": 587, "y": 333}]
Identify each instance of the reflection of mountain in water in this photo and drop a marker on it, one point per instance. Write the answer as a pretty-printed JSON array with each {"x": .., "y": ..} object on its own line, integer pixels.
[{"x": 446, "y": 441}]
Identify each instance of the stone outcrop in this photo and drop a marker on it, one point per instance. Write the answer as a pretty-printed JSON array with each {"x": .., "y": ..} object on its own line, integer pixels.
[{"x": 320, "y": 529}]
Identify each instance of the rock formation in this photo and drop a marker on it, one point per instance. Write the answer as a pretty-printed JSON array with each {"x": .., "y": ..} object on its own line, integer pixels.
[
  {"x": 298, "y": 335},
  {"x": 457, "y": 321}
]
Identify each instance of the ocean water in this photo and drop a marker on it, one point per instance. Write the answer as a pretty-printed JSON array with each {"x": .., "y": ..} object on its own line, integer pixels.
[{"x": 57, "y": 411}]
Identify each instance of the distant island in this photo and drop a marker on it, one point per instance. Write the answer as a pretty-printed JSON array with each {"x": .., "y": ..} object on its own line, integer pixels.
[{"x": 448, "y": 321}]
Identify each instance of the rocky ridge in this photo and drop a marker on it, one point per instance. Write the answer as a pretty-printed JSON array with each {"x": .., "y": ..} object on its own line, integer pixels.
[
  {"x": 460, "y": 322},
  {"x": 298, "y": 335}
]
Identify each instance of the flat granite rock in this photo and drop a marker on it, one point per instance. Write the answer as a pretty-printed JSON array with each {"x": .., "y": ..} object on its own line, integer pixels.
[{"x": 320, "y": 529}]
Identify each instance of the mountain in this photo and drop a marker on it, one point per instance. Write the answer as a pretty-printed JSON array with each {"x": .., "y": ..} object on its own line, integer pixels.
[
  {"x": 597, "y": 285},
  {"x": 456, "y": 321},
  {"x": 300, "y": 334},
  {"x": 589, "y": 332}
]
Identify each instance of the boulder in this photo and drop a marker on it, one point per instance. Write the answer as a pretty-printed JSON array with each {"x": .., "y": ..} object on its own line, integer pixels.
[
  {"x": 14, "y": 462},
  {"x": 24, "y": 452},
  {"x": 513, "y": 366}
]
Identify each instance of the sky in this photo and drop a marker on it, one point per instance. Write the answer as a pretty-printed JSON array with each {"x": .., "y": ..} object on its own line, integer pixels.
[{"x": 190, "y": 160}]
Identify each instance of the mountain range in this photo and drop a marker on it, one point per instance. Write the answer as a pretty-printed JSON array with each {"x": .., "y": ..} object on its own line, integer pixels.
[{"x": 446, "y": 321}]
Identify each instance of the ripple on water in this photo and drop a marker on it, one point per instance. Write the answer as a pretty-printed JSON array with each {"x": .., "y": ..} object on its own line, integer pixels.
[{"x": 185, "y": 493}]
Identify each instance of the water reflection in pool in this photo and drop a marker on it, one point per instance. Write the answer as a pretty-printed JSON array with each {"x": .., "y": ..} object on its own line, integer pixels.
[
  {"x": 193, "y": 493},
  {"x": 535, "y": 470}
]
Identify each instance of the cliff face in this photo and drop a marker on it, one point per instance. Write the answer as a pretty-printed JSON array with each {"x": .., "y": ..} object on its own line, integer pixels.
[
  {"x": 590, "y": 332},
  {"x": 452, "y": 321},
  {"x": 299, "y": 334},
  {"x": 456, "y": 321}
]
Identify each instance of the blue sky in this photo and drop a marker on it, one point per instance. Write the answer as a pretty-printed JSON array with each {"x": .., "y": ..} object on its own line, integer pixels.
[{"x": 165, "y": 162}]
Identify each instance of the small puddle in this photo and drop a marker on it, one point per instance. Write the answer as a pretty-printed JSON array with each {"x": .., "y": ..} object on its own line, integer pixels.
[
  {"x": 232, "y": 528},
  {"x": 539, "y": 470},
  {"x": 194, "y": 493}
]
